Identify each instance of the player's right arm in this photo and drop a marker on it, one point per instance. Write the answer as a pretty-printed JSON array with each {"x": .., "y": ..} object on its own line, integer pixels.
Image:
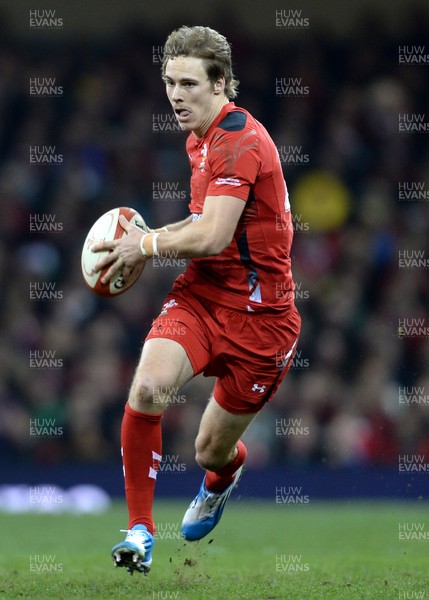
[{"x": 206, "y": 236}]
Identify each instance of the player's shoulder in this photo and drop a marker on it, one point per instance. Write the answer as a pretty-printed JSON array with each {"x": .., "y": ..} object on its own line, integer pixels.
[
  {"x": 236, "y": 127},
  {"x": 236, "y": 120}
]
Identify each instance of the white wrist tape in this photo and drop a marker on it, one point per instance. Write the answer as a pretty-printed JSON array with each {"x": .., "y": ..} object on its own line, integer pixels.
[
  {"x": 155, "y": 244},
  {"x": 143, "y": 251}
]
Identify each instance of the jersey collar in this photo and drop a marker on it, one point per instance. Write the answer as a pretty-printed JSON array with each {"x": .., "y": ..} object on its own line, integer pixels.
[{"x": 227, "y": 108}]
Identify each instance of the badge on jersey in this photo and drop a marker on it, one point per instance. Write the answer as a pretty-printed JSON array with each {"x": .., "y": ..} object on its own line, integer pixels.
[{"x": 168, "y": 305}]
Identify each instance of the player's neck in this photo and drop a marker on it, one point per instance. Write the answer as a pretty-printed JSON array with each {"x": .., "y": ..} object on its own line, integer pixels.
[{"x": 217, "y": 107}]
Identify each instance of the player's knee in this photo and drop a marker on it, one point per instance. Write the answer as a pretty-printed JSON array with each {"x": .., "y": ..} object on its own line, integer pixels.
[
  {"x": 210, "y": 457},
  {"x": 207, "y": 461},
  {"x": 145, "y": 395}
]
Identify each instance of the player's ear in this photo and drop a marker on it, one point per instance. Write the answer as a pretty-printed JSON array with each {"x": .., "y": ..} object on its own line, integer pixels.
[{"x": 219, "y": 86}]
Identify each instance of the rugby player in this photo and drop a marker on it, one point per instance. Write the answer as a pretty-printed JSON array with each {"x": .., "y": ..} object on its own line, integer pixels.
[{"x": 231, "y": 314}]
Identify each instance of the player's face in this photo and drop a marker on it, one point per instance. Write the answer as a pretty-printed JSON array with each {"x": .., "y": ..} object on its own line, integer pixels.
[{"x": 196, "y": 101}]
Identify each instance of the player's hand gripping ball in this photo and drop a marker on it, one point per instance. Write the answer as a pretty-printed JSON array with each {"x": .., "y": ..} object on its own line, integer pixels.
[{"x": 107, "y": 228}]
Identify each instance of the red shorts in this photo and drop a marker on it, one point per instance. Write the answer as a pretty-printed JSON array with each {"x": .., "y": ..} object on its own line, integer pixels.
[{"x": 248, "y": 353}]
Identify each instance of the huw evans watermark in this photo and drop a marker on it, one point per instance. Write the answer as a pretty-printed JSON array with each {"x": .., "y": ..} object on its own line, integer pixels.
[
  {"x": 45, "y": 87},
  {"x": 44, "y": 291},
  {"x": 168, "y": 259},
  {"x": 167, "y": 191},
  {"x": 45, "y": 563},
  {"x": 45, "y": 359},
  {"x": 168, "y": 394},
  {"x": 157, "y": 55},
  {"x": 45, "y": 155},
  {"x": 291, "y": 563},
  {"x": 299, "y": 293},
  {"x": 170, "y": 464},
  {"x": 45, "y": 428},
  {"x": 413, "y": 191},
  {"x": 45, "y": 19},
  {"x": 413, "y": 55},
  {"x": 286, "y": 427},
  {"x": 413, "y": 123},
  {"x": 287, "y": 87},
  {"x": 412, "y": 463},
  {"x": 296, "y": 223},
  {"x": 291, "y": 19},
  {"x": 298, "y": 363},
  {"x": 168, "y": 531},
  {"x": 165, "y": 123},
  {"x": 167, "y": 326},
  {"x": 413, "y": 328},
  {"x": 413, "y": 395},
  {"x": 293, "y": 155},
  {"x": 291, "y": 495},
  {"x": 413, "y": 532},
  {"x": 43, "y": 495},
  {"x": 45, "y": 223},
  {"x": 412, "y": 595},
  {"x": 165, "y": 595},
  {"x": 412, "y": 259}
]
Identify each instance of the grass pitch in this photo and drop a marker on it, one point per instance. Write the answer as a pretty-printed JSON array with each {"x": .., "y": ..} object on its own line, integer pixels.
[{"x": 259, "y": 551}]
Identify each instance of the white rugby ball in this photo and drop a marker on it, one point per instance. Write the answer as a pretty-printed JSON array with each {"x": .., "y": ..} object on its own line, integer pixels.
[{"x": 107, "y": 228}]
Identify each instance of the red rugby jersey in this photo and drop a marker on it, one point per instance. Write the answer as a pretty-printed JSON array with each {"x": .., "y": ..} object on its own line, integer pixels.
[{"x": 237, "y": 157}]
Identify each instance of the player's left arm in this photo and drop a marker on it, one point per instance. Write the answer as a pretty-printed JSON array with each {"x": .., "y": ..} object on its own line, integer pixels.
[{"x": 207, "y": 236}]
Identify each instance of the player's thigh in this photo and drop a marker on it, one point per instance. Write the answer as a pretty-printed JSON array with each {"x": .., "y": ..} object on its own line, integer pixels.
[
  {"x": 163, "y": 369},
  {"x": 220, "y": 430},
  {"x": 254, "y": 358}
]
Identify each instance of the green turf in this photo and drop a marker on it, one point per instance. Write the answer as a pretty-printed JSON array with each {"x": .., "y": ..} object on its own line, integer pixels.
[{"x": 259, "y": 551}]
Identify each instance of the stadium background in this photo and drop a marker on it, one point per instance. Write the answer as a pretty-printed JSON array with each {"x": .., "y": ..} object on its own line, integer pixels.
[{"x": 116, "y": 144}]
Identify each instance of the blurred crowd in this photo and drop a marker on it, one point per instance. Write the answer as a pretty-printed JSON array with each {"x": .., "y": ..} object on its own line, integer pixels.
[{"x": 358, "y": 392}]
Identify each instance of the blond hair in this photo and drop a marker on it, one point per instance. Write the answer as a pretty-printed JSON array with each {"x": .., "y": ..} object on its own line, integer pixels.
[{"x": 207, "y": 44}]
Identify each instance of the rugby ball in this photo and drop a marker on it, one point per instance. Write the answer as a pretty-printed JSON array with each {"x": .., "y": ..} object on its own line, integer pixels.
[{"x": 108, "y": 228}]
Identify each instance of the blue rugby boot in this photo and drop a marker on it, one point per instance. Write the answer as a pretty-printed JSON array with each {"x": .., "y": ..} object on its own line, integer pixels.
[
  {"x": 135, "y": 552},
  {"x": 205, "y": 510}
]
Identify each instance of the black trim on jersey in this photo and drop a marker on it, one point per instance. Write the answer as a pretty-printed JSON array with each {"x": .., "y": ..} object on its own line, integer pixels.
[
  {"x": 243, "y": 248},
  {"x": 234, "y": 121}
]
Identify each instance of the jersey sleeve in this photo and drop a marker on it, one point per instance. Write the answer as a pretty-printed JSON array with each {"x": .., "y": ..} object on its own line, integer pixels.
[{"x": 234, "y": 163}]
